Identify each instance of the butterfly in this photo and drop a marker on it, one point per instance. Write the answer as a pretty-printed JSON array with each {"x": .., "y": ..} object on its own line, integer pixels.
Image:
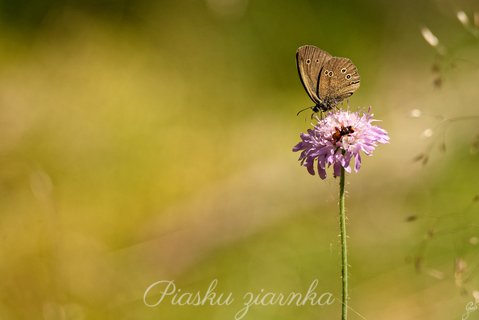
[{"x": 328, "y": 80}]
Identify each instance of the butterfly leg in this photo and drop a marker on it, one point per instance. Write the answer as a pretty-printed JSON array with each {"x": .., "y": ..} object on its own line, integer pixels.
[{"x": 315, "y": 115}]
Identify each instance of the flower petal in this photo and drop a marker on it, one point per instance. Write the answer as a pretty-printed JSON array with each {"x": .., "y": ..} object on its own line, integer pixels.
[{"x": 337, "y": 139}]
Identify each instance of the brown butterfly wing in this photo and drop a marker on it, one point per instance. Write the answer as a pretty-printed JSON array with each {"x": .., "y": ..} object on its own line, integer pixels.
[
  {"x": 310, "y": 60},
  {"x": 338, "y": 80}
]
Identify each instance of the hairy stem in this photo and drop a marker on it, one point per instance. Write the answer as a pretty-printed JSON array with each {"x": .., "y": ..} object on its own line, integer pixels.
[{"x": 344, "y": 248}]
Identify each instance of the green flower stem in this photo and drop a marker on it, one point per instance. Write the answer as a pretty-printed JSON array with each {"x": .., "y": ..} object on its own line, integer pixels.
[{"x": 344, "y": 248}]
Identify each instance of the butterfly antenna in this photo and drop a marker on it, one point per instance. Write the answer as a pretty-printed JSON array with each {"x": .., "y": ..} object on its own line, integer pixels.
[{"x": 297, "y": 114}]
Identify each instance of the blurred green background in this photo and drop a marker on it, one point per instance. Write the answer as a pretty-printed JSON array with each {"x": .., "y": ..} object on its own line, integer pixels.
[{"x": 150, "y": 140}]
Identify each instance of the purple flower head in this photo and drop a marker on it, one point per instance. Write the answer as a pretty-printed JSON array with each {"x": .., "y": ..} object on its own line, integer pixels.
[{"x": 337, "y": 139}]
